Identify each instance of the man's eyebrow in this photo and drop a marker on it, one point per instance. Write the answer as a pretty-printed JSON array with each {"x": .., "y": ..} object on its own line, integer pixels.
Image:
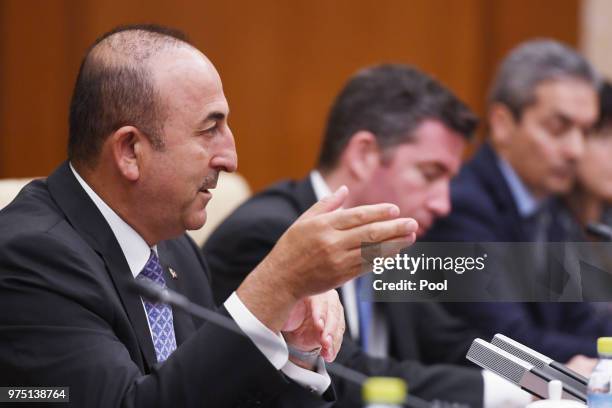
[
  {"x": 213, "y": 116},
  {"x": 441, "y": 167},
  {"x": 563, "y": 117},
  {"x": 568, "y": 120}
]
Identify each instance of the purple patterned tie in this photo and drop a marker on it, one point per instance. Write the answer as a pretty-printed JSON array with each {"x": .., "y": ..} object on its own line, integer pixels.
[{"x": 159, "y": 314}]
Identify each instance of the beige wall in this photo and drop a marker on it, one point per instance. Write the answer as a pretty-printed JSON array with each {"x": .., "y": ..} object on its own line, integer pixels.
[{"x": 596, "y": 34}]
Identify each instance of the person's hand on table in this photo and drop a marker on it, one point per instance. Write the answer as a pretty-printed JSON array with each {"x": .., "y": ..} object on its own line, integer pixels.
[{"x": 582, "y": 364}]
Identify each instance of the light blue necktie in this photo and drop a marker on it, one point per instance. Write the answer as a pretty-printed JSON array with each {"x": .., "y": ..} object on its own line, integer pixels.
[
  {"x": 159, "y": 314},
  {"x": 362, "y": 285}
]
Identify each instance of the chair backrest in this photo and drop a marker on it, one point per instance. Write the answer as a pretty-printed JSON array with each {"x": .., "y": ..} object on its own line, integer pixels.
[
  {"x": 9, "y": 189},
  {"x": 232, "y": 189}
]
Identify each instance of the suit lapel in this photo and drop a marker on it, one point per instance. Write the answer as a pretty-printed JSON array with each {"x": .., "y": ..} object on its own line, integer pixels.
[
  {"x": 87, "y": 220},
  {"x": 487, "y": 170},
  {"x": 184, "y": 326}
]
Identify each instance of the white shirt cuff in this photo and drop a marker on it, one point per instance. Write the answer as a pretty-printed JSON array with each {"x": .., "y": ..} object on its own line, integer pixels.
[
  {"x": 271, "y": 345},
  {"x": 274, "y": 347},
  {"x": 318, "y": 381},
  {"x": 499, "y": 392}
]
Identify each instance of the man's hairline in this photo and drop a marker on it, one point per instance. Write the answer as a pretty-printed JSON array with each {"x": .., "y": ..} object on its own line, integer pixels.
[
  {"x": 533, "y": 100},
  {"x": 387, "y": 152}
]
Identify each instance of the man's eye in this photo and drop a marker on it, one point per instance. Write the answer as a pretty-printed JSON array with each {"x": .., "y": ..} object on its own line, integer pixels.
[
  {"x": 556, "y": 130},
  {"x": 557, "y": 127},
  {"x": 431, "y": 174},
  {"x": 210, "y": 130}
]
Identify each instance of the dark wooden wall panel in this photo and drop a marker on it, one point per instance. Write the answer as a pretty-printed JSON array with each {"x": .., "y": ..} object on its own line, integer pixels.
[{"x": 281, "y": 62}]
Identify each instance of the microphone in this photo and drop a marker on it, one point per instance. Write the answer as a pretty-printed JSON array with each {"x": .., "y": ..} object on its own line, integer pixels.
[
  {"x": 517, "y": 371},
  {"x": 544, "y": 363},
  {"x": 157, "y": 293},
  {"x": 602, "y": 231}
]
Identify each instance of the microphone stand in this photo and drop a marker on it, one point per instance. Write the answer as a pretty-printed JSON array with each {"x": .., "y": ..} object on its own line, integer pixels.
[{"x": 156, "y": 293}]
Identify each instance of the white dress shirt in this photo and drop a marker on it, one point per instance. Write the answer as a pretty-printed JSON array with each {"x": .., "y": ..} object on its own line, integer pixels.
[
  {"x": 270, "y": 344},
  {"x": 378, "y": 343},
  {"x": 498, "y": 392}
]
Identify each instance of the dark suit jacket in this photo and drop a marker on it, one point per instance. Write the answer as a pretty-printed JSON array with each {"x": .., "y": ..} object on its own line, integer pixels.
[
  {"x": 420, "y": 334},
  {"x": 69, "y": 319},
  {"x": 484, "y": 210}
]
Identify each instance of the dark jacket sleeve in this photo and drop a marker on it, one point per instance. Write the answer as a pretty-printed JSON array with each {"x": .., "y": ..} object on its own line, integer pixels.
[{"x": 59, "y": 325}]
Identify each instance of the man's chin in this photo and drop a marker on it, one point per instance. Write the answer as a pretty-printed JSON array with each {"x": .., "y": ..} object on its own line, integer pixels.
[
  {"x": 561, "y": 186},
  {"x": 197, "y": 221}
]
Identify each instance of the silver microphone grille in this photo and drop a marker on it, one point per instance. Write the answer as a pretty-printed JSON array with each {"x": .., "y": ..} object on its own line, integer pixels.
[
  {"x": 497, "y": 360},
  {"x": 522, "y": 352}
]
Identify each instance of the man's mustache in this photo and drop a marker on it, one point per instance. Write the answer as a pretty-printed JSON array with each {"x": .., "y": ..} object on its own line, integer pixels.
[{"x": 210, "y": 181}]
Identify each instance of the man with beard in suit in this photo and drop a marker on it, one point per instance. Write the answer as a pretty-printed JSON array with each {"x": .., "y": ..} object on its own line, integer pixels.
[
  {"x": 397, "y": 135},
  {"x": 148, "y": 138}
]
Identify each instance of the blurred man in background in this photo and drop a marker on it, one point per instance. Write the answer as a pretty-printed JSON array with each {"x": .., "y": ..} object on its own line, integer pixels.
[
  {"x": 542, "y": 103},
  {"x": 393, "y": 134}
]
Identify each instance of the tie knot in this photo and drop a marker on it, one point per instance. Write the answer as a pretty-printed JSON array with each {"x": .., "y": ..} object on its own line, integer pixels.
[{"x": 153, "y": 270}]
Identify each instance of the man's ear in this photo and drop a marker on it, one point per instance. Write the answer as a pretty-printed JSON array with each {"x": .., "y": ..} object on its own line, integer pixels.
[
  {"x": 362, "y": 155},
  {"x": 502, "y": 124},
  {"x": 126, "y": 145}
]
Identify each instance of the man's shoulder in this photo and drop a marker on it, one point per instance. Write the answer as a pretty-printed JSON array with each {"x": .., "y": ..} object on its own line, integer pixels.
[
  {"x": 255, "y": 227},
  {"x": 34, "y": 231},
  {"x": 471, "y": 190},
  {"x": 244, "y": 238},
  {"x": 470, "y": 194},
  {"x": 32, "y": 211},
  {"x": 278, "y": 205}
]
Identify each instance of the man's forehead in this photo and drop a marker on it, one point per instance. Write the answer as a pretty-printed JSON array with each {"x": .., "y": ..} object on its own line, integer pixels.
[
  {"x": 572, "y": 99},
  {"x": 180, "y": 62},
  {"x": 433, "y": 132},
  {"x": 433, "y": 141},
  {"x": 187, "y": 75}
]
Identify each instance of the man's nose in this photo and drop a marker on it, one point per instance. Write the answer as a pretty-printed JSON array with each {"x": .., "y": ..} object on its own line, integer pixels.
[
  {"x": 226, "y": 158},
  {"x": 440, "y": 200},
  {"x": 573, "y": 146}
]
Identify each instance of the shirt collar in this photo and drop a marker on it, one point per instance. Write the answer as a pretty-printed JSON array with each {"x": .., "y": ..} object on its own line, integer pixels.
[
  {"x": 320, "y": 187},
  {"x": 134, "y": 247},
  {"x": 525, "y": 201}
]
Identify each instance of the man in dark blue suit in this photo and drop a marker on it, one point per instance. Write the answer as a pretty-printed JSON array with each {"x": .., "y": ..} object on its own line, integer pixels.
[{"x": 541, "y": 104}]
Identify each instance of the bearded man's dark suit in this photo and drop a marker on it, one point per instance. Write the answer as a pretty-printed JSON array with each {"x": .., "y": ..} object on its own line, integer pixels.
[
  {"x": 419, "y": 334},
  {"x": 68, "y": 317}
]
